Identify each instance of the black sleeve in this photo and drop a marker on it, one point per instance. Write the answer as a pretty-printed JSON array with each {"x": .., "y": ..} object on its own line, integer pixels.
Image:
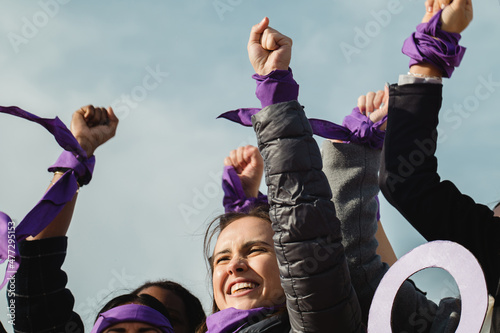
[
  {"x": 307, "y": 239},
  {"x": 410, "y": 182},
  {"x": 42, "y": 302}
]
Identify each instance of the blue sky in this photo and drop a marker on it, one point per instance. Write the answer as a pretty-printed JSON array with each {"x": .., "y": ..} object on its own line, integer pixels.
[{"x": 169, "y": 68}]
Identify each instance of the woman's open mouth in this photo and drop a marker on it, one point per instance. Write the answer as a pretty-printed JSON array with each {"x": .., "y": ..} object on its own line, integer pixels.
[{"x": 242, "y": 287}]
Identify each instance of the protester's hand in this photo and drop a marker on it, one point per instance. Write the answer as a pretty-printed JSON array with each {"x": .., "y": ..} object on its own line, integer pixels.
[
  {"x": 456, "y": 16},
  {"x": 268, "y": 49},
  {"x": 92, "y": 126},
  {"x": 250, "y": 166},
  {"x": 375, "y": 105}
]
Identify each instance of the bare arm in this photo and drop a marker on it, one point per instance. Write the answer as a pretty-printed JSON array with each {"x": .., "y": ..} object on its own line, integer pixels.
[{"x": 91, "y": 127}]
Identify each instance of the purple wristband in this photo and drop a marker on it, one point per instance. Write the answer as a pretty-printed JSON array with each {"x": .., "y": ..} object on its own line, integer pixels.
[
  {"x": 279, "y": 86},
  {"x": 235, "y": 199},
  {"x": 430, "y": 44},
  {"x": 276, "y": 87},
  {"x": 83, "y": 167},
  {"x": 364, "y": 131}
]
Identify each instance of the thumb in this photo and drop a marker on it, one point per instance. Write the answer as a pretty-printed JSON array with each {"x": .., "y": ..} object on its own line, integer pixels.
[
  {"x": 257, "y": 31},
  {"x": 77, "y": 122}
]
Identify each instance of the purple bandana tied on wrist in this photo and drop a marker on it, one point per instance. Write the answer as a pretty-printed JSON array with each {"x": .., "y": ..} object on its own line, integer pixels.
[
  {"x": 132, "y": 313},
  {"x": 276, "y": 87},
  {"x": 430, "y": 44},
  {"x": 78, "y": 166},
  {"x": 235, "y": 199},
  {"x": 357, "y": 128},
  {"x": 279, "y": 87}
]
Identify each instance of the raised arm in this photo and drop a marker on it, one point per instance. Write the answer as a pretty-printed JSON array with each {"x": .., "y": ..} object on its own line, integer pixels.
[
  {"x": 352, "y": 172},
  {"x": 91, "y": 126},
  {"x": 43, "y": 304},
  {"x": 409, "y": 178},
  {"x": 313, "y": 270}
]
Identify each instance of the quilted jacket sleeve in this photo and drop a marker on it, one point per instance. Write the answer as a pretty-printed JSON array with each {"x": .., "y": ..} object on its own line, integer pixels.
[{"x": 307, "y": 239}]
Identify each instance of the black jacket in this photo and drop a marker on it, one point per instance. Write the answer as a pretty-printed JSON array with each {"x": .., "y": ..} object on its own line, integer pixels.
[
  {"x": 307, "y": 239},
  {"x": 410, "y": 182}
]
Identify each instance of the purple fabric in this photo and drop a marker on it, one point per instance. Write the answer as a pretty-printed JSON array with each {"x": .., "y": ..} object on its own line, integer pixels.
[
  {"x": 279, "y": 86},
  {"x": 56, "y": 197},
  {"x": 232, "y": 320},
  {"x": 132, "y": 313},
  {"x": 8, "y": 250},
  {"x": 363, "y": 130},
  {"x": 235, "y": 199},
  {"x": 276, "y": 87},
  {"x": 83, "y": 170},
  {"x": 357, "y": 128},
  {"x": 430, "y": 44},
  {"x": 55, "y": 126},
  {"x": 241, "y": 116}
]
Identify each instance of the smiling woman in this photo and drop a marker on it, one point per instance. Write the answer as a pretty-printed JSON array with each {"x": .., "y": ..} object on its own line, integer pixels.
[
  {"x": 286, "y": 271},
  {"x": 245, "y": 273},
  {"x": 245, "y": 269}
]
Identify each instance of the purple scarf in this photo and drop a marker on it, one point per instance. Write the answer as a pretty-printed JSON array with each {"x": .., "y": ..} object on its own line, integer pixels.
[
  {"x": 80, "y": 169},
  {"x": 132, "y": 313},
  {"x": 357, "y": 128},
  {"x": 232, "y": 320},
  {"x": 430, "y": 44}
]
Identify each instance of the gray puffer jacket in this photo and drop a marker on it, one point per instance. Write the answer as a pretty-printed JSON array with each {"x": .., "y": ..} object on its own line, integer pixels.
[{"x": 307, "y": 239}]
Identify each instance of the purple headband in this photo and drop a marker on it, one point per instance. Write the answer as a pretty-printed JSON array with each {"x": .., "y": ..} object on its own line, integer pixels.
[
  {"x": 430, "y": 44},
  {"x": 357, "y": 128},
  {"x": 79, "y": 170},
  {"x": 132, "y": 313}
]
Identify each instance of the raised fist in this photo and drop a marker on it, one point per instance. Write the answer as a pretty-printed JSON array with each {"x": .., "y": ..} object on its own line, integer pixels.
[
  {"x": 249, "y": 165},
  {"x": 93, "y": 126},
  {"x": 268, "y": 49}
]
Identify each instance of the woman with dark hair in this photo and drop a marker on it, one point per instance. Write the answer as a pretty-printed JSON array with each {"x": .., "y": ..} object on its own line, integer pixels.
[
  {"x": 132, "y": 313},
  {"x": 185, "y": 311},
  {"x": 244, "y": 279},
  {"x": 44, "y": 254}
]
